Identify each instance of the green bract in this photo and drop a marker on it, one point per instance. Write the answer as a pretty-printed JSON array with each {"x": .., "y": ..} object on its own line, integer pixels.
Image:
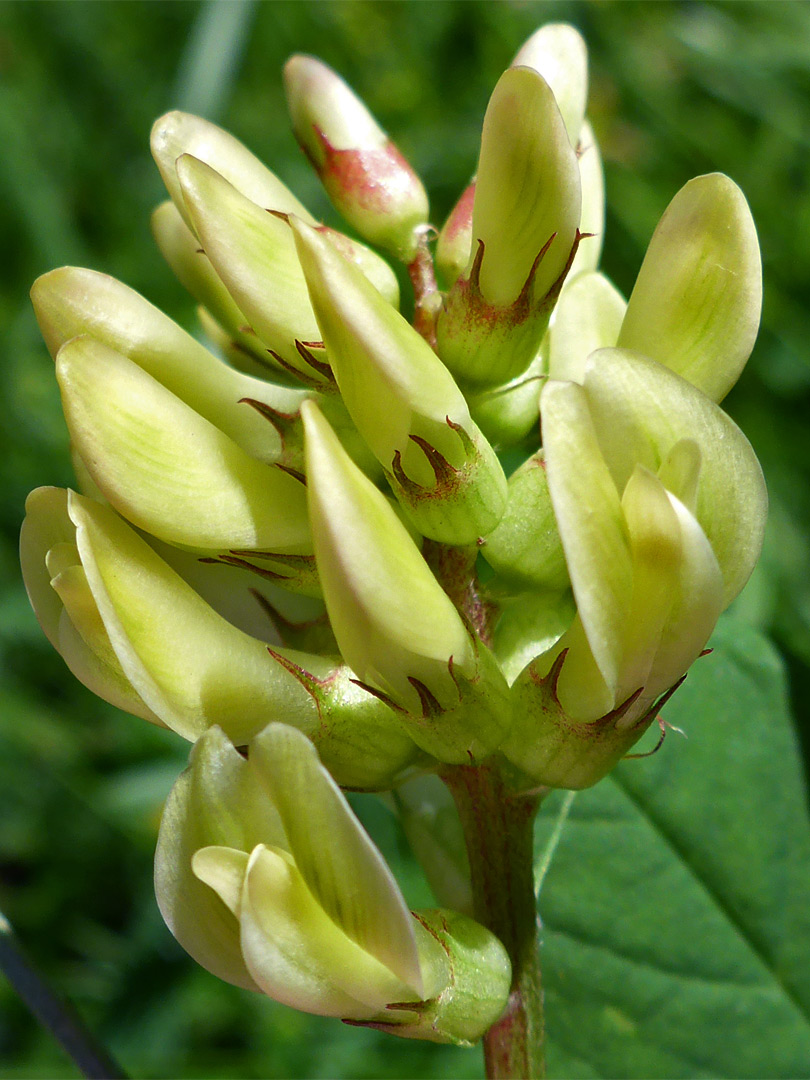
[{"x": 302, "y": 538}]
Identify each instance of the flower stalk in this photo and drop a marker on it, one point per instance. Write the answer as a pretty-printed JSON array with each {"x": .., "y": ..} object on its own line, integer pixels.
[{"x": 498, "y": 826}]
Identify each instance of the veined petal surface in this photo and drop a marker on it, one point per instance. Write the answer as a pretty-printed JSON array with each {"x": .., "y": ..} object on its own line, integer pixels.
[{"x": 166, "y": 468}]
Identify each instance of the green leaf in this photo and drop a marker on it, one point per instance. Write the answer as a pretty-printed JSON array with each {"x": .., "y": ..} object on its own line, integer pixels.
[{"x": 677, "y": 928}]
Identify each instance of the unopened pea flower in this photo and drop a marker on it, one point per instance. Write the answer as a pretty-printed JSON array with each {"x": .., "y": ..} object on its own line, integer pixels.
[
  {"x": 378, "y": 590},
  {"x": 135, "y": 631},
  {"x": 525, "y": 217},
  {"x": 404, "y": 402},
  {"x": 266, "y": 877},
  {"x": 363, "y": 172},
  {"x": 660, "y": 508}
]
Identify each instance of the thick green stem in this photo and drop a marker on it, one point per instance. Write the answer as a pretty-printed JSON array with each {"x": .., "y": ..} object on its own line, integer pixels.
[{"x": 498, "y": 827}]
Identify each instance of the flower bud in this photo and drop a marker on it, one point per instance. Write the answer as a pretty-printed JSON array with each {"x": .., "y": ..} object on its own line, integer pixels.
[
  {"x": 523, "y": 144},
  {"x": 239, "y": 341},
  {"x": 266, "y": 420},
  {"x": 673, "y": 602},
  {"x": 525, "y": 548},
  {"x": 136, "y": 633},
  {"x": 453, "y": 247},
  {"x": 179, "y": 133},
  {"x": 391, "y": 618},
  {"x": 134, "y": 436},
  {"x": 641, "y": 410},
  {"x": 265, "y": 876},
  {"x": 223, "y": 322},
  {"x": 525, "y": 218},
  {"x": 404, "y": 402},
  {"x": 70, "y": 302},
  {"x": 558, "y": 53},
  {"x": 62, "y": 600},
  {"x": 253, "y": 253},
  {"x": 660, "y": 506},
  {"x": 588, "y": 316},
  {"x": 150, "y": 630},
  {"x": 395, "y": 625},
  {"x": 696, "y": 303},
  {"x": 364, "y": 174}
]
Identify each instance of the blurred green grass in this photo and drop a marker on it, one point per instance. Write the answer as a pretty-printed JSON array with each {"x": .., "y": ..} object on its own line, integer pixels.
[{"x": 677, "y": 89}]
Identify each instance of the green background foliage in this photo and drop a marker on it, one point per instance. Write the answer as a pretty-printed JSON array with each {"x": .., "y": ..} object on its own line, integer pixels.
[{"x": 676, "y": 933}]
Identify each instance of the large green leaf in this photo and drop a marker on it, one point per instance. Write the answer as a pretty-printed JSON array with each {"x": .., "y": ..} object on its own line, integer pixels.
[{"x": 677, "y": 905}]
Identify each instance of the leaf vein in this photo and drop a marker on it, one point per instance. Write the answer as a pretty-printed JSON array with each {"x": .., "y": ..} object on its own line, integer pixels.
[{"x": 670, "y": 838}]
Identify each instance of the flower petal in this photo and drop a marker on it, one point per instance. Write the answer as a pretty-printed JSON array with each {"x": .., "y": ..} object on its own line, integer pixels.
[
  {"x": 528, "y": 188},
  {"x": 45, "y": 526},
  {"x": 397, "y": 391},
  {"x": 191, "y": 666},
  {"x": 365, "y": 175},
  {"x": 592, "y": 218},
  {"x": 63, "y": 603},
  {"x": 167, "y": 469},
  {"x": 222, "y": 321},
  {"x": 588, "y": 316},
  {"x": 391, "y": 618},
  {"x": 640, "y": 410},
  {"x": 72, "y": 301},
  {"x": 253, "y": 252},
  {"x": 216, "y": 801},
  {"x": 299, "y": 956},
  {"x": 342, "y": 868},
  {"x": 590, "y": 520},
  {"x": 179, "y": 133},
  {"x": 696, "y": 303},
  {"x": 558, "y": 52}
]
